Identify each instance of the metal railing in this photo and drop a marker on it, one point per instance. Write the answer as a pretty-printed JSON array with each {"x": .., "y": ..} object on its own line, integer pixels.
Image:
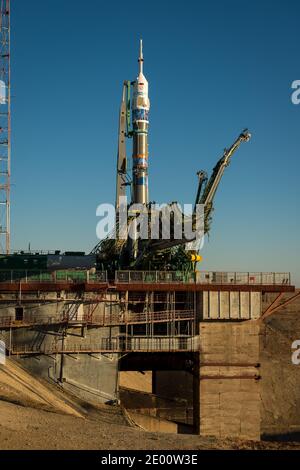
[
  {"x": 27, "y": 276},
  {"x": 144, "y": 277},
  {"x": 154, "y": 276},
  {"x": 203, "y": 277},
  {"x": 35, "y": 252},
  {"x": 117, "y": 345},
  {"x": 104, "y": 319}
]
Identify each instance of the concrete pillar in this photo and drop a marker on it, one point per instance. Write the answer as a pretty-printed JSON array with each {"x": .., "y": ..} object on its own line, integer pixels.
[{"x": 226, "y": 381}]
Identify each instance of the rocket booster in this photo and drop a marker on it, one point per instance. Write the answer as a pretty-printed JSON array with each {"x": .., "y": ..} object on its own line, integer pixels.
[{"x": 140, "y": 121}]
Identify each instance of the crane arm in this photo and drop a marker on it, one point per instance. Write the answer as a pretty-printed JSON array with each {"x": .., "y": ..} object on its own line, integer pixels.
[
  {"x": 202, "y": 177},
  {"x": 214, "y": 181}
]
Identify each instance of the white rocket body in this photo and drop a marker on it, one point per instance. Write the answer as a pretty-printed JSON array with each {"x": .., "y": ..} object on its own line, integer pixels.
[{"x": 140, "y": 120}]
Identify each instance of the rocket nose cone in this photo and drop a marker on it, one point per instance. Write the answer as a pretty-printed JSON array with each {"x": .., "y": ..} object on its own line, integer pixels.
[{"x": 141, "y": 78}]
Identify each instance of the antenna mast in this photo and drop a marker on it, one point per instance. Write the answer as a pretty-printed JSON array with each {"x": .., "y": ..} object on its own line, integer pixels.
[{"x": 5, "y": 126}]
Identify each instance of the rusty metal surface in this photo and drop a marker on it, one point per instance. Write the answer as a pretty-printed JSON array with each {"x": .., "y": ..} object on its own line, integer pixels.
[
  {"x": 195, "y": 287},
  {"x": 16, "y": 287},
  {"x": 226, "y": 364},
  {"x": 52, "y": 287},
  {"x": 229, "y": 377}
]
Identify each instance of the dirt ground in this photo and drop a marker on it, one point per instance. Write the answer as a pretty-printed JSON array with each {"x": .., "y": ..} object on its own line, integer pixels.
[
  {"x": 36, "y": 416},
  {"x": 29, "y": 428}
]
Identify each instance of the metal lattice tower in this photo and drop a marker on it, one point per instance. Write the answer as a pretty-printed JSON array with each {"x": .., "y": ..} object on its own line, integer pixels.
[{"x": 5, "y": 126}]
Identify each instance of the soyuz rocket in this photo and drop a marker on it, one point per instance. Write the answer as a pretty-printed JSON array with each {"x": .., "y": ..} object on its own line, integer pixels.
[
  {"x": 140, "y": 121},
  {"x": 134, "y": 122}
]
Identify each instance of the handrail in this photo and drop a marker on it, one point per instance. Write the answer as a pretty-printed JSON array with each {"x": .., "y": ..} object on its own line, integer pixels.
[
  {"x": 30, "y": 276},
  {"x": 104, "y": 319},
  {"x": 204, "y": 277},
  {"x": 117, "y": 345},
  {"x": 147, "y": 277}
]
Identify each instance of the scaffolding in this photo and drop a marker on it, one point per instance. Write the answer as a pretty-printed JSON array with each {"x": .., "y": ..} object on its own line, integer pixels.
[
  {"x": 136, "y": 320},
  {"x": 5, "y": 127},
  {"x": 145, "y": 322}
]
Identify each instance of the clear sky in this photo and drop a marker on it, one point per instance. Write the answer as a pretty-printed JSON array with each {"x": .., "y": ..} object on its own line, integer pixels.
[{"x": 213, "y": 68}]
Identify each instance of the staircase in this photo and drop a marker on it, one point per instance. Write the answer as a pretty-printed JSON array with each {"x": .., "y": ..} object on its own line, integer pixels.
[{"x": 70, "y": 310}]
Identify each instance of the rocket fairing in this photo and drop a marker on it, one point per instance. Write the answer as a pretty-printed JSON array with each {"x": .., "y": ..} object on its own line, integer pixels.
[{"x": 140, "y": 121}]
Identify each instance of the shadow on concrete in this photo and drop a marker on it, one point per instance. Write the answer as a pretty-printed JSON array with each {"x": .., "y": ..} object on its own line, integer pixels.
[{"x": 284, "y": 437}]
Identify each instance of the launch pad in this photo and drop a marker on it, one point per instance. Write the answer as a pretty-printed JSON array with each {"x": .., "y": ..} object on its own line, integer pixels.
[{"x": 144, "y": 304}]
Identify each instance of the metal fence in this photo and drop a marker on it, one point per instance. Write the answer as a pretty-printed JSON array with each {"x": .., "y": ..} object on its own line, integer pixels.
[
  {"x": 271, "y": 278},
  {"x": 117, "y": 345},
  {"x": 103, "y": 319},
  {"x": 203, "y": 277},
  {"x": 154, "y": 276},
  {"x": 27, "y": 276}
]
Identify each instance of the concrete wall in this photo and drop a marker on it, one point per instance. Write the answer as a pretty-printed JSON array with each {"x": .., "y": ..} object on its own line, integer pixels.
[
  {"x": 229, "y": 305},
  {"x": 176, "y": 410},
  {"x": 53, "y": 305},
  {"x": 136, "y": 380},
  {"x": 91, "y": 377},
  {"x": 280, "y": 387},
  {"x": 151, "y": 424},
  {"x": 226, "y": 394}
]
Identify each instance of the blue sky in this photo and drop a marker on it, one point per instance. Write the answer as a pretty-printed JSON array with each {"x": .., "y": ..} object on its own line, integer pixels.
[{"x": 213, "y": 68}]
